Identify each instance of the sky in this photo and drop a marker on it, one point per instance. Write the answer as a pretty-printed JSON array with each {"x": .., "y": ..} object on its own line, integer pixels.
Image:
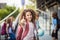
[{"x": 16, "y": 3}]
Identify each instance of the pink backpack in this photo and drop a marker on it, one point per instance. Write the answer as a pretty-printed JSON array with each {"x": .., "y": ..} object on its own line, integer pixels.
[
  {"x": 20, "y": 35},
  {"x": 3, "y": 31}
]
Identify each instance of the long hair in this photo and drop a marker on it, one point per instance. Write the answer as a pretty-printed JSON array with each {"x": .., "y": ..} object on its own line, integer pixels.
[
  {"x": 28, "y": 10},
  {"x": 27, "y": 25},
  {"x": 9, "y": 22}
]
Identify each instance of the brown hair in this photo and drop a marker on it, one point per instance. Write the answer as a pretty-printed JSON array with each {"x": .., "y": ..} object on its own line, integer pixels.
[
  {"x": 8, "y": 20},
  {"x": 28, "y": 10},
  {"x": 54, "y": 15}
]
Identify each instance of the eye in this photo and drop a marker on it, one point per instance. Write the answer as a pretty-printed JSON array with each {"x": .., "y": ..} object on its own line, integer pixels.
[{"x": 27, "y": 15}]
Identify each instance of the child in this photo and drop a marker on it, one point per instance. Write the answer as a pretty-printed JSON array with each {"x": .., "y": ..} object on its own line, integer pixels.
[
  {"x": 26, "y": 28},
  {"x": 4, "y": 28},
  {"x": 54, "y": 27},
  {"x": 3, "y": 31},
  {"x": 37, "y": 20},
  {"x": 10, "y": 29},
  {"x": 37, "y": 24}
]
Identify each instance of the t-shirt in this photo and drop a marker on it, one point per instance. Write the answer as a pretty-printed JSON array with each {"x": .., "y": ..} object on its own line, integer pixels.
[
  {"x": 30, "y": 34},
  {"x": 10, "y": 30},
  {"x": 54, "y": 24}
]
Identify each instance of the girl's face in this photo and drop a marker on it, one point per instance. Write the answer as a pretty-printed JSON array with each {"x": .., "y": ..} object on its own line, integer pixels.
[{"x": 28, "y": 16}]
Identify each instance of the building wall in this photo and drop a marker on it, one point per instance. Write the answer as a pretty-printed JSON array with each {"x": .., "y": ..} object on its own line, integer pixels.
[
  {"x": 59, "y": 12},
  {"x": 2, "y": 5}
]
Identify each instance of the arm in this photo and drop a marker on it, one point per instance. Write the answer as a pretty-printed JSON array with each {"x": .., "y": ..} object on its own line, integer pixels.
[{"x": 7, "y": 28}]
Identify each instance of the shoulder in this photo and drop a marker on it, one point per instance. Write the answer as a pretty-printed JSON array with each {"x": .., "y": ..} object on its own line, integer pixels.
[{"x": 19, "y": 27}]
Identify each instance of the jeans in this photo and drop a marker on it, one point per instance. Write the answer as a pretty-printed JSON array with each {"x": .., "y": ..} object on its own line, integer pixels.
[{"x": 12, "y": 36}]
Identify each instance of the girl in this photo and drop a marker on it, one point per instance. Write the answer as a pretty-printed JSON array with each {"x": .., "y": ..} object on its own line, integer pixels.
[
  {"x": 54, "y": 27},
  {"x": 10, "y": 30},
  {"x": 37, "y": 24},
  {"x": 26, "y": 28},
  {"x": 3, "y": 31}
]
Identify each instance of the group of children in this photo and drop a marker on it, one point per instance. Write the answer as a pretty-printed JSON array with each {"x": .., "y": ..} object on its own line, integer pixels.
[
  {"x": 8, "y": 29},
  {"x": 28, "y": 23}
]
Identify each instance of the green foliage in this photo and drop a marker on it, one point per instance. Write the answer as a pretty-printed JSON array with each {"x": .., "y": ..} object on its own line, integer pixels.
[
  {"x": 15, "y": 14},
  {"x": 10, "y": 8},
  {"x": 6, "y": 11},
  {"x": 3, "y": 13},
  {"x": 32, "y": 1},
  {"x": 30, "y": 7}
]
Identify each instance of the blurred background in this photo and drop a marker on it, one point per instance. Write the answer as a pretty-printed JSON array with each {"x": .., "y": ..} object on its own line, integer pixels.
[{"x": 45, "y": 7}]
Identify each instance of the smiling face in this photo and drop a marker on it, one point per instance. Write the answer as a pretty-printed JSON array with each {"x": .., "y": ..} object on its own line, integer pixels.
[{"x": 28, "y": 16}]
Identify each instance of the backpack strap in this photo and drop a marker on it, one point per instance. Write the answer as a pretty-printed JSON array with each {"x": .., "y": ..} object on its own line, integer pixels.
[
  {"x": 26, "y": 31},
  {"x": 19, "y": 33}
]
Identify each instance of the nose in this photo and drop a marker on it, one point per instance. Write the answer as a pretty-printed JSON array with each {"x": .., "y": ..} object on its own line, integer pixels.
[{"x": 30, "y": 16}]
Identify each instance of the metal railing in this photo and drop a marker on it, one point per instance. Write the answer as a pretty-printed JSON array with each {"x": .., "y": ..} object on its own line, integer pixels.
[{"x": 8, "y": 17}]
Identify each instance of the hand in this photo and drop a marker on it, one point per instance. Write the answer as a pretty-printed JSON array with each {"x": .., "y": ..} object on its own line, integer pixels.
[{"x": 23, "y": 21}]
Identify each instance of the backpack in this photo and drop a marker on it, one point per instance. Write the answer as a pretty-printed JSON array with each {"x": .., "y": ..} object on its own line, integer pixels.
[
  {"x": 3, "y": 31},
  {"x": 20, "y": 35}
]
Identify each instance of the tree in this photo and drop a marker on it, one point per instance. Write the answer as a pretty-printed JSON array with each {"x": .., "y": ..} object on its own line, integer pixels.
[
  {"x": 30, "y": 7},
  {"x": 7, "y": 10},
  {"x": 10, "y": 8},
  {"x": 32, "y": 1},
  {"x": 3, "y": 13}
]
